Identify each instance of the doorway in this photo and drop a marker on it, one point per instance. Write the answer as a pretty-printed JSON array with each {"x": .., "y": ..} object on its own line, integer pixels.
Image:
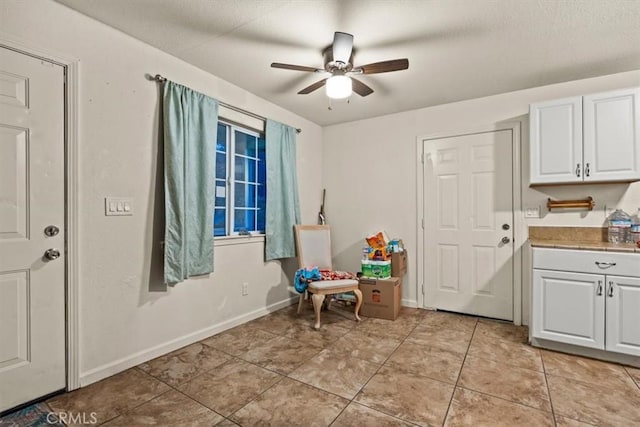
[{"x": 469, "y": 205}]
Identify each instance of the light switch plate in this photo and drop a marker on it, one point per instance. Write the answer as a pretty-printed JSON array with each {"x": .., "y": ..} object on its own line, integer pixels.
[
  {"x": 118, "y": 206},
  {"x": 532, "y": 212}
]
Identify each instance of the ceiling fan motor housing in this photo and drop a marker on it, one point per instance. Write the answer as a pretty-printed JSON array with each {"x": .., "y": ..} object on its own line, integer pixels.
[{"x": 332, "y": 66}]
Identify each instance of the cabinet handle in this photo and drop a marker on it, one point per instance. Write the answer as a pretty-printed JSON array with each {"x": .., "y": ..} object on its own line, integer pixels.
[
  {"x": 578, "y": 170},
  {"x": 599, "y": 292},
  {"x": 587, "y": 172},
  {"x": 605, "y": 264},
  {"x": 610, "y": 289}
]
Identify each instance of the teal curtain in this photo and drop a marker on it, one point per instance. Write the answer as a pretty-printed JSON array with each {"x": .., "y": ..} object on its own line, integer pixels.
[
  {"x": 190, "y": 133},
  {"x": 283, "y": 206}
]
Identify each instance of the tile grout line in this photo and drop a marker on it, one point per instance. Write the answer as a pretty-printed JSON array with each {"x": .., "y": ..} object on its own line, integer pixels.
[
  {"x": 374, "y": 374},
  {"x": 446, "y": 414},
  {"x": 637, "y": 383},
  {"x": 546, "y": 381}
]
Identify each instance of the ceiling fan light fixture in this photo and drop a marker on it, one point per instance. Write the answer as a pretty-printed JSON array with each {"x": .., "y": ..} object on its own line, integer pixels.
[{"x": 339, "y": 87}]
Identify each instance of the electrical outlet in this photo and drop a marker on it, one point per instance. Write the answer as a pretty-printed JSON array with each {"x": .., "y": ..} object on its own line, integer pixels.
[
  {"x": 608, "y": 210},
  {"x": 532, "y": 212},
  {"x": 245, "y": 289}
]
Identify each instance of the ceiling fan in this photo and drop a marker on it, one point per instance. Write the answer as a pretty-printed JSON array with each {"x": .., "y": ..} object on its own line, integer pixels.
[{"x": 338, "y": 61}]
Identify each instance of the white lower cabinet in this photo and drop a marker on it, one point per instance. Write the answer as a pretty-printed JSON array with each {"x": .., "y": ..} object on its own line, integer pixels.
[
  {"x": 586, "y": 306},
  {"x": 569, "y": 307},
  {"x": 623, "y": 315}
]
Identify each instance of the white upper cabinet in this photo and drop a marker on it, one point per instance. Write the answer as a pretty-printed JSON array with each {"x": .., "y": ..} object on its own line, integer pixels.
[
  {"x": 611, "y": 143},
  {"x": 586, "y": 139},
  {"x": 556, "y": 141}
]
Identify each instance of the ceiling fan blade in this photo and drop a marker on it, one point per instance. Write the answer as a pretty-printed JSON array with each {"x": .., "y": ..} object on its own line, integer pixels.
[
  {"x": 294, "y": 67},
  {"x": 384, "y": 66},
  {"x": 342, "y": 47},
  {"x": 311, "y": 88},
  {"x": 361, "y": 88}
]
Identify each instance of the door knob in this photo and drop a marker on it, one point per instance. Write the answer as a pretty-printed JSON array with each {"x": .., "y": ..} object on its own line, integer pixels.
[
  {"x": 505, "y": 240},
  {"x": 52, "y": 254}
]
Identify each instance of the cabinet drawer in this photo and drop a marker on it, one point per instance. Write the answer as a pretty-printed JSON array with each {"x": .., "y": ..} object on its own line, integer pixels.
[{"x": 595, "y": 262}]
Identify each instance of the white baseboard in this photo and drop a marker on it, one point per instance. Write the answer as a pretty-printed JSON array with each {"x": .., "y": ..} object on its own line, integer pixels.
[
  {"x": 411, "y": 303},
  {"x": 135, "y": 359}
]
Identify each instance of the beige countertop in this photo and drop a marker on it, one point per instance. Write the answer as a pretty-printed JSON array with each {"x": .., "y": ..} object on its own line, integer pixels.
[{"x": 582, "y": 238}]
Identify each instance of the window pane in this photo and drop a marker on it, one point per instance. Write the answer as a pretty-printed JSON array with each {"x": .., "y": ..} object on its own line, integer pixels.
[
  {"x": 240, "y": 195},
  {"x": 221, "y": 166},
  {"x": 245, "y": 144},
  {"x": 251, "y": 170},
  {"x": 262, "y": 172},
  {"x": 262, "y": 197},
  {"x": 261, "y": 215},
  {"x": 240, "y": 168},
  {"x": 262, "y": 164},
  {"x": 244, "y": 220},
  {"x": 221, "y": 144},
  {"x": 251, "y": 195},
  {"x": 219, "y": 222}
]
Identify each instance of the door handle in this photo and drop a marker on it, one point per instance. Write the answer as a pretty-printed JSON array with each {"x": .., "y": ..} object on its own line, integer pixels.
[
  {"x": 605, "y": 264},
  {"x": 587, "y": 171},
  {"x": 505, "y": 240},
  {"x": 52, "y": 254},
  {"x": 610, "y": 290},
  {"x": 599, "y": 291},
  {"x": 578, "y": 170}
]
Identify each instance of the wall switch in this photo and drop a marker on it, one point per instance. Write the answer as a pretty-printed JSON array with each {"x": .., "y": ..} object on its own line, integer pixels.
[
  {"x": 118, "y": 206},
  {"x": 532, "y": 212},
  {"x": 245, "y": 289}
]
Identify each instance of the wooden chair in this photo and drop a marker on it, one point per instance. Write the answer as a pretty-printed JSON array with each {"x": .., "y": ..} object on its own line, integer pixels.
[{"x": 314, "y": 250}]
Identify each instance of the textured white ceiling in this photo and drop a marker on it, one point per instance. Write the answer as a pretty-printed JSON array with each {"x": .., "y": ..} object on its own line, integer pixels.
[{"x": 457, "y": 49}]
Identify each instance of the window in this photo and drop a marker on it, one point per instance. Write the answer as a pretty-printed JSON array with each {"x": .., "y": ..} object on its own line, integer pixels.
[{"x": 241, "y": 179}]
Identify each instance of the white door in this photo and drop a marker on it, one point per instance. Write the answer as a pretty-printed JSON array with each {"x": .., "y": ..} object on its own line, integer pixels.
[
  {"x": 32, "y": 288},
  {"x": 568, "y": 307},
  {"x": 623, "y": 315},
  {"x": 555, "y": 129},
  {"x": 468, "y": 205},
  {"x": 611, "y": 140}
]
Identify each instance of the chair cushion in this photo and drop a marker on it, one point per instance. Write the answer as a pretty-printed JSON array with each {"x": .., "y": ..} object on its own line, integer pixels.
[{"x": 332, "y": 284}]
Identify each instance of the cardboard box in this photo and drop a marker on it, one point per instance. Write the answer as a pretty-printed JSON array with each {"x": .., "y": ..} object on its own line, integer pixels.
[
  {"x": 376, "y": 269},
  {"x": 399, "y": 263},
  {"x": 381, "y": 297}
]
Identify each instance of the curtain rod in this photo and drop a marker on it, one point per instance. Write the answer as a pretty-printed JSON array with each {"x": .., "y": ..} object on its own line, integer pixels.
[{"x": 160, "y": 79}]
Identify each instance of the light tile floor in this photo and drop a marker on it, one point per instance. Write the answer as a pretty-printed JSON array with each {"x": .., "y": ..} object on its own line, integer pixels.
[{"x": 425, "y": 368}]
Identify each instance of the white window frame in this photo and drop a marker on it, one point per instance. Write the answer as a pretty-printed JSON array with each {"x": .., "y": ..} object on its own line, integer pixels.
[{"x": 230, "y": 155}]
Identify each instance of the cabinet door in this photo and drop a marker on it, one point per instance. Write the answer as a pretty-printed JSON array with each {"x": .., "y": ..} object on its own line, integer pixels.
[
  {"x": 556, "y": 141},
  {"x": 611, "y": 141},
  {"x": 568, "y": 307},
  {"x": 623, "y": 315}
]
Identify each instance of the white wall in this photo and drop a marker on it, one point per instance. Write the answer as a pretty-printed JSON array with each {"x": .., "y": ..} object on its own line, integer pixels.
[
  {"x": 126, "y": 314},
  {"x": 369, "y": 170}
]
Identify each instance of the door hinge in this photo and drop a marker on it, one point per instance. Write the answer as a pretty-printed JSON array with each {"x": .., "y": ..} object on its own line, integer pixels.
[
  {"x": 423, "y": 289},
  {"x": 422, "y": 223}
]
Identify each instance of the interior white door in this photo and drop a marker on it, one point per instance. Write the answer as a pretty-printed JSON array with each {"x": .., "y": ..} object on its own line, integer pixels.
[
  {"x": 468, "y": 239},
  {"x": 32, "y": 288}
]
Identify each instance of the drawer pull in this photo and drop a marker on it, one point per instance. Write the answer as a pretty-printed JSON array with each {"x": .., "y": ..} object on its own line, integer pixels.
[
  {"x": 599, "y": 292},
  {"x": 610, "y": 289},
  {"x": 605, "y": 264}
]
